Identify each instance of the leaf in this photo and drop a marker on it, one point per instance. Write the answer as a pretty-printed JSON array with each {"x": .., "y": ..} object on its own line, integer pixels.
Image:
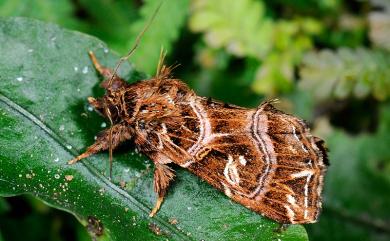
[
  {"x": 239, "y": 26},
  {"x": 60, "y": 11},
  {"x": 356, "y": 183},
  {"x": 45, "y": 78},
  {"x": 110, "y": 21},
  {"x": 162, "y": 33},
  {"x": 346, "y": 73},
  {"x": 274, "y": 75},
  {"x": 243, "y": 29}
]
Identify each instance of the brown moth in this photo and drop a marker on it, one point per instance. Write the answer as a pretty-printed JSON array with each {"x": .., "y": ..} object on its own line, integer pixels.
[{"x": 261, "y": 158}]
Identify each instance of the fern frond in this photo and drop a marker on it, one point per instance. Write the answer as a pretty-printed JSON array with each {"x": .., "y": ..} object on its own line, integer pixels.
[{"x": 346, "y": 73}]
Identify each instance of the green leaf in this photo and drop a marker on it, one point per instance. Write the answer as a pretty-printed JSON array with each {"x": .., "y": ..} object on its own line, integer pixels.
[
  {"x": 110, "y": 20},
  {"x": 243, "y": 29},
  {"x": 60, "y": 11},
  {"x": 45, "y": 78},
  {"x": 345, "y": 73},
  {"x": 239, "y": 26},
  {"x": 162, "y": 33}
]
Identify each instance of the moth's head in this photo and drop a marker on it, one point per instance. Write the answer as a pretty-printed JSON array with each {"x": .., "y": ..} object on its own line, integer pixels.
[
  {"x": 117, "y": 104},
  {"x": 106, "y": 106}
]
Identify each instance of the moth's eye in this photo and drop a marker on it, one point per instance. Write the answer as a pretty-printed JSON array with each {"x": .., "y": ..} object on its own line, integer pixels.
[
  {"x": 164, "y": 89},
  {"x": 181, "y": 92},
  {"x": 141, "y": 125},
  {"x": 143, "y": 108}
]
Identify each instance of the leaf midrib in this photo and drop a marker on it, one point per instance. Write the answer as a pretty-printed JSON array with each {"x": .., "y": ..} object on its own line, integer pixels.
[{"x": 94, "y": 172}]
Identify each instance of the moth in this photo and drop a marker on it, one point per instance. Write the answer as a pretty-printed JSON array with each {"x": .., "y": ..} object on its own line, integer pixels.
[{"x": 262, "y": 158}]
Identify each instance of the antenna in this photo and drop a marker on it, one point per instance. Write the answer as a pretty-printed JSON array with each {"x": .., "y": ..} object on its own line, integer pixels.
[{"x": 137, "y": 41}]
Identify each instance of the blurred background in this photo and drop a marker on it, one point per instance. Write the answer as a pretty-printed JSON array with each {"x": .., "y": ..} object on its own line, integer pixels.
[{"x": 328, "y": 61}]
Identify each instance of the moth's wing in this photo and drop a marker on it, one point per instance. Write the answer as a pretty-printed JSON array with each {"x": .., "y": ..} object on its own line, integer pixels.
[{"x": 274, "y": 166}]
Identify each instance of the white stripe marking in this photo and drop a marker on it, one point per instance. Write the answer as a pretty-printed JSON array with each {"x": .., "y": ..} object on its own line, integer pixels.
[
  {"x": 308, "y": 174},
  {"x": 306, "y": 202},
  {"x": 205, "y": 133},
  {"x": 303, "y": 173},
  {"x": 227, "y": 190},
  {"x": 296, "y": 137},
  {"x": 230, "y": 172},
  {"x": 290, "y": 213},
  {"x": 291, "y": 200},
  {"x": 266, "y": 146}
]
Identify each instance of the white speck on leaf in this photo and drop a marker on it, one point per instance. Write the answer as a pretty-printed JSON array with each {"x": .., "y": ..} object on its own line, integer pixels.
[
  {"x": 102, "y": 190},
  {"x": 57, "y": 176},
  {"x": 62, "y": 127},
  {"x": 103, "y": 125},
  {"x": 76, "y": 68},
  {"x": 105, "y": 50},
  {"x": 56, "y": 160},
  {"x": 90, "y": 108},
  {"x": 85, "y": 70},
  {"x": 20, "y": 79},
  {"x": 69, "y": 147}
]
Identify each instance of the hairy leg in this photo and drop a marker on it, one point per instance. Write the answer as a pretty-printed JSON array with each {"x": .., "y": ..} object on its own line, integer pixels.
[
  {"x": 163, "y": 175},
  {"x": 119, "y": 132}
]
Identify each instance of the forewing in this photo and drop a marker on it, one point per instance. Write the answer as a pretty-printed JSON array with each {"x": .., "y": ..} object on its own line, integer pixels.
[{"x": 272, "y": 165}]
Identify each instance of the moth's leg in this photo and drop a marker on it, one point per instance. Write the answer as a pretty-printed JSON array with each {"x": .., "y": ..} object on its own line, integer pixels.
[
  {"x": 163, "y": 175},
  {"x": 120, "y": 133},
  {"x": 106, "y": 72}
]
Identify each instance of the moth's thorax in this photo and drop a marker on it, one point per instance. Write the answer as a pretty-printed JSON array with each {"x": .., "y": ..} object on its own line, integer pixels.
[{"x": 164, "y": 109}]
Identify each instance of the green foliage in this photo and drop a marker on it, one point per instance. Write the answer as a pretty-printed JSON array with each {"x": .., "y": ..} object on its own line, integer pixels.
[
  {"x": 45, "y": 122},
  {"x": 346, "y": 73},
  {"x": 53, "y": 11},
  {"x": 290, "y": 40},
  {"x": 277, "y": 45},
  {"x": 109, "y": 20},
  {"x": 161, "y": 34},
  {"x": 224, "y": 26},
  {"x": 116, "y": 22}
]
